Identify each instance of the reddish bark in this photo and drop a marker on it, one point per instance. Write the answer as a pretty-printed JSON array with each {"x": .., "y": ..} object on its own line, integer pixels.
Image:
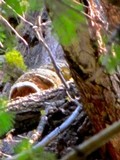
[{"x": 100, "y": 91}]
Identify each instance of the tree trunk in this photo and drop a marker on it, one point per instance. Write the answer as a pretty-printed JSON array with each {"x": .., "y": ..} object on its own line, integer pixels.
[{"x": 100, "y": 91}]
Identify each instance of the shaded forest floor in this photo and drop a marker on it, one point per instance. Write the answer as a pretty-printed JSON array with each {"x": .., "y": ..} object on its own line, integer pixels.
[{"x": 76, "y": 133}]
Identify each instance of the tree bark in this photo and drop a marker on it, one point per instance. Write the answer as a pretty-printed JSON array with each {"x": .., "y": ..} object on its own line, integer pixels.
[{"x": 100, "y": 91}]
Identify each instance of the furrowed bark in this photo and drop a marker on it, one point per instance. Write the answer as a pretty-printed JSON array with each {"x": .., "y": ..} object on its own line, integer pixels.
[
  {"x": 100, "y": 91},
  {"x": 99, "y": 96}
]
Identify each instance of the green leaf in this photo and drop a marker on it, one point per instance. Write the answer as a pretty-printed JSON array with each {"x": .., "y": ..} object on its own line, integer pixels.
[
  {"x": 35, "y": 154},
  {"x": 2, "y": 34},
  {"x": 35, "y": 5},
  {"x": 6, "y": 119},
  {"x": 111, "y": 60},
  {"x": 117, "y": 51},
  {"x": 66, "y": 20},
  {"x": 8, "y": 43},
  {"x": 15, "y": 4},
  {"x": 22, "y": 146},
  {"x": 41, "y": 154},
  {"x": 24, "y": 5},
  {"x": 65, "y": 33},
  {"x": 6, "y": 122},
  {"x": 43, "y": 112}
]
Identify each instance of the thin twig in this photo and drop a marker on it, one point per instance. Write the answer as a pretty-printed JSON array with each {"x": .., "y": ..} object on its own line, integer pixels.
[
  {"x": 16, "y": 33},
  {"x": 41, "y": 40},
  {"x": 5, "y": 155},
  {"x": 21, "y": 17},
  {"x": 1, "y": 45},
  {"x": 59, "y": 129},
  {"x": 39, "y": 130}
]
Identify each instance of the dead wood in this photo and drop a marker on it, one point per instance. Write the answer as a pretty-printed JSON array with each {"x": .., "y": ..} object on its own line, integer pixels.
[
  {"x": 27, "y": 109},
  {"x": 58, "y": 108}
]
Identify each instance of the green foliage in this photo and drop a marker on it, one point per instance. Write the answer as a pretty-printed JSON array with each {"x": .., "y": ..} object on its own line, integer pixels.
[
  {"x": 8, "y": 43},
  {"x": 66, "y": 19},
  {"x": 22, "y": 146},
  {"x": 10, "y": 9},
  {"x": 15, "y": 59},
  {"x": 34, "y": 154},
  {"x": 24, "y": 5},
  {"x": 111, "y": 60},
  {"x": 40, "y": 154},
  {"x": 21, "y": 6},
  {"x": 6, "y": 119},
  {"x": 35, "y": 5},
  {"x": 16, "y": 5},
  {"x": 27, "y": 153},
  {"x": 2, "y": 34}
]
